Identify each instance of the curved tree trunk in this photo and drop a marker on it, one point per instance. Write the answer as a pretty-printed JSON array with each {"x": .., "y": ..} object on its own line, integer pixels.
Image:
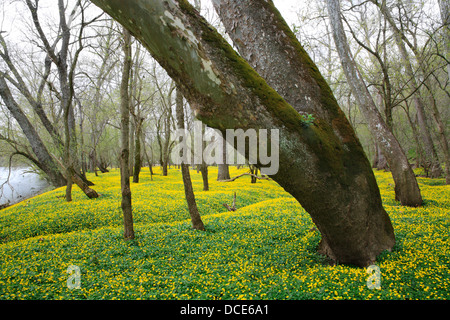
[
  {"x": 322, "y": 165},
  {"x": 406, "y": 188}
]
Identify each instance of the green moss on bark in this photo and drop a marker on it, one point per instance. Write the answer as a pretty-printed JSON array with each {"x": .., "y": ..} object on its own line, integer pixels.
[
  {"x": 251, "y": 79},
  {"x": 326, "y": 95}
]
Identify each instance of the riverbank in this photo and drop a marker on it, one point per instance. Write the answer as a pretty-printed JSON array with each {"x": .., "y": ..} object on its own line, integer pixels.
[{"x": 18, "y": 184}]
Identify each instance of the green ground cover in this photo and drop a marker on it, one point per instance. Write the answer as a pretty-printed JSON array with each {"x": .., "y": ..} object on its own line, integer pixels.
[{"x": 264, "y": 250}]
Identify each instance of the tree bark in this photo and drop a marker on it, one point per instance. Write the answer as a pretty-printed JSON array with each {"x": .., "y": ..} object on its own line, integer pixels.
[
  {"x": 137, "y": 150},
  {"x": 406, "y": 188},
  {"x": 444, "y": 7},
  {"x": 204, "y": 172},
  {"x": 203, "y": 166},
  {"x": 379, "y": 161},
  {"x": 223, "y": 172},
  {"x": 165, "y": 155},
  {"x": 128, "y": 232},
  {"x": 324, "y": 158}
]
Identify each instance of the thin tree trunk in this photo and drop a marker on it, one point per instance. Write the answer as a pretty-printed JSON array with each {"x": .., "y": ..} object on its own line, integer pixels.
[
  {"x": 203, "y": 166},
  {"x": 444, "y": 6},
  {"x": 131, "y": 142},
  {"x": 149, "y": 162},
  {"x": 223, "y": 172},
  {"x": 322, "y": 165},
  {"x": 68, "y": 187},
  {"x": 442, "y": 138},
  {"x": 419, "y": 151},
  {"x": 406, "y": 187},
  {"x": 137, "y": 150},
  {"x": 125, "y": 132},
  {"x": 204, "y": 172},
  {"x": 197, "y": 222}
]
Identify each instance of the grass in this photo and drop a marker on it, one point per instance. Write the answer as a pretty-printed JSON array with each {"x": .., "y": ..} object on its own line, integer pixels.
[{"x": 264, "y": 250}]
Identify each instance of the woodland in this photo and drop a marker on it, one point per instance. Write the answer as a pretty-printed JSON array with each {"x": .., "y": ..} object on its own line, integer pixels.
[{"x": 93, "y": 94}]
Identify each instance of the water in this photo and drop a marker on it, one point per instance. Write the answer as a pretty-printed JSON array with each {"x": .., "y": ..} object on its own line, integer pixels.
[{"x": 21, "y": 185}]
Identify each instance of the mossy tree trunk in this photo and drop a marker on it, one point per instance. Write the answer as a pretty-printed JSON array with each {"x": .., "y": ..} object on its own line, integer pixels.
[{"x": 322, "y": 165}]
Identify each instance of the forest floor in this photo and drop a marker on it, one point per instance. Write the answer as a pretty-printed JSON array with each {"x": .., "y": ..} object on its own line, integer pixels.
[{"x": 264, "y": 250}]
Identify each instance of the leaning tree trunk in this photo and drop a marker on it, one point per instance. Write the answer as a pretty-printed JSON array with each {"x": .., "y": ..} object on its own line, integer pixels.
[
  {"x": 267, "y": 55},
  {"x": 196, "y": 220},
  {"x": 46, "y": 162},
  {"x": 426, "y": 138},
  {"x": 444, "y": 7},
  {"x": 322, "y": 165},
  {"x": 128, "y": 232},
  {"x": 406, "y": 188}
]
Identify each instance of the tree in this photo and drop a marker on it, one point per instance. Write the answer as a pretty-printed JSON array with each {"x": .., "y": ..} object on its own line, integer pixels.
[
  {"x": 400, "y": 40},
  {"x": 128, "y": 232},
  {"x": 444, "y": 7},
  {"x": 44, "y": 159},
  {"x": 406, "y": 188},
  {"x": 196, "y": 220},
  {"x": 104, "y": 51},
  {"x": 56, "y": 53},
  {"x": 223, "y": 172},
  {"x": 316, "y": 159},
  {"x": 203, "y": 166}
]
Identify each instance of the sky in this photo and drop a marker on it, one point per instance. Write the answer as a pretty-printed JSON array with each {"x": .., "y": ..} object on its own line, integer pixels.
[
  {"x": 11, "y": 15},
  {"x": 288, "y": 9}
]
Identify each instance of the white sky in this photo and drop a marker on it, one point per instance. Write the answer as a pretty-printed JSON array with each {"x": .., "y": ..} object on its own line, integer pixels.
[
  {"x": 288, "y": 9},
  {"x": 13, "y": 14}
]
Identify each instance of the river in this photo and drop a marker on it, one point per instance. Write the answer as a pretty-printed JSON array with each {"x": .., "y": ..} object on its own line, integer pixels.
[{"x": 21, "y": 185}]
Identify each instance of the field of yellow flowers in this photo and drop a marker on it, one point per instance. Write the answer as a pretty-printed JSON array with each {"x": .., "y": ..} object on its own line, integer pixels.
[{"x": 264, "y": 250}]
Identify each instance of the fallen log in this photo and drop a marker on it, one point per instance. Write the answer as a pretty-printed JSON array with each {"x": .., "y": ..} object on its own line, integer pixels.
[{"x": 231, "y": 208}]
